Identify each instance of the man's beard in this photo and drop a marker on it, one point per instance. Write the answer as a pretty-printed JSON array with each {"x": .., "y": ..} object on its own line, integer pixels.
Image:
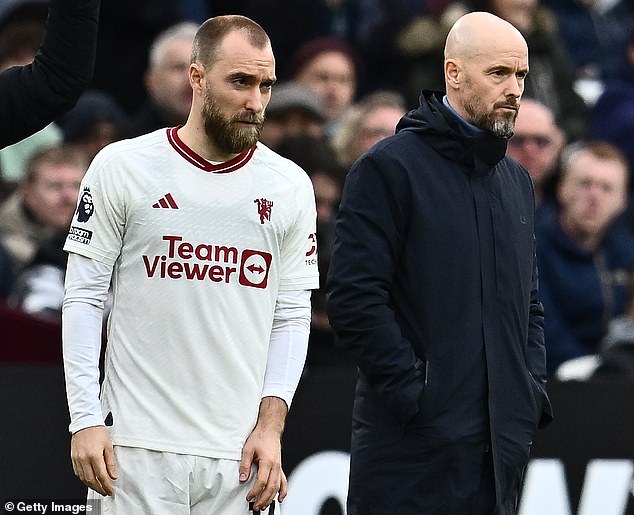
[
  {"x": 225, "y": 133},
  {"x": 502, "y": 128}
]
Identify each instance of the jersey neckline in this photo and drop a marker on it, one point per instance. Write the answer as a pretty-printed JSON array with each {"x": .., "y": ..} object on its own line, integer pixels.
[{"x": 200, "y": 162}]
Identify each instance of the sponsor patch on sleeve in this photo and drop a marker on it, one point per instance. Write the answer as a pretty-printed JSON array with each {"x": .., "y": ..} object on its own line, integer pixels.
[{"x": 80, "y": 235}]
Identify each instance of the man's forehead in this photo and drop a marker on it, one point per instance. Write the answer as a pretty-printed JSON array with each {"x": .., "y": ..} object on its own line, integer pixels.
[
  {"x": 245, "y": 59},
  {"x": 534, "y": 125},
  {"x": 585, "y": 164},
  {"x": 511, "y": 57}
]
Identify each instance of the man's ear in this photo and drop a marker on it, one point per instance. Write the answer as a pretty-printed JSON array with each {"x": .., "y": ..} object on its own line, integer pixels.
[
  {"x": 453, "y": 73},
  {"x": 196, "y": 77}
]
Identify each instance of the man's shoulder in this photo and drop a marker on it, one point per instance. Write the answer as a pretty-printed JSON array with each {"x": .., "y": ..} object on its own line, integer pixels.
[
  {"x": 146, "y": 146},
  {"x": 620, "y": 244},
  {"x": 273, "y": 166},
  {"x": 401, "y": 157},
  {"x": 12, "y": 214}
]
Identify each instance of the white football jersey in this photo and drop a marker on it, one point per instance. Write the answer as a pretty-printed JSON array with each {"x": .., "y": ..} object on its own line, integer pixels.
[{"x": 199, "y": 252}]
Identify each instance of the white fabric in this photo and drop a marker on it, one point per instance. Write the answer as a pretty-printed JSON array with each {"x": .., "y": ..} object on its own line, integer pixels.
[
  {"x": 198, "y": 263},
  {"x": 41, "y": 290},
  {"x": 86, "y": 289},
  {"x": 162, "y": 483},
  {"x": 86, "y": 282},
  {"x": 578, "y": 369},
  {"x": 288, "y": 345}
]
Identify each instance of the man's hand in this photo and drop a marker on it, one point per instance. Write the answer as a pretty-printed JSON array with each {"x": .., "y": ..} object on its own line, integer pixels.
[
  {"x": 93, "y": 458},
  {"x": 263, "y": 448}
]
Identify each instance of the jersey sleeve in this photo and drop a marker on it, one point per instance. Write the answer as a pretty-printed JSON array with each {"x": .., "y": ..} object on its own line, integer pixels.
[
  {"x": 299, "y": 269},
  {"x": 97, "y": 226}
]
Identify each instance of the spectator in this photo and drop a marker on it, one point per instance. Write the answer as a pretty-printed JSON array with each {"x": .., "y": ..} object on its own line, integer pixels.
[
  {"x": 584, "y": 260},
  {"x": 294, "y": 110},
  {"x": 291, "y": 24},
  {"x": 614, "y": 360},
  {"x": 536, "y": 144},
  {"x": 314, "y": 155},
  {"x": 330, "y": 67},
  {"x": 166, "y": 81},
  {"x": 44, "y": 203},
  {"x": 126, "y": 33},
  {"x": 594, "y": 34},
  {"x": 19, "y": 42},
  {"x": 367, "y": 122},
  {"x": 419, "y": 44},
  {"x": 616, "y": 357},
  {"x": 39, "y": 289},
  {"x": 96, "y": 121}
]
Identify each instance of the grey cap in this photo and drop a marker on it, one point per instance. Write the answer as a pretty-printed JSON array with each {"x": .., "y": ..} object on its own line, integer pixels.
[{"x": 291, "y": 95}]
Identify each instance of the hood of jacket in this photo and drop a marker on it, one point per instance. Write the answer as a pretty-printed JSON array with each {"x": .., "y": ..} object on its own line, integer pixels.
[{"x": 478, "y": 151}]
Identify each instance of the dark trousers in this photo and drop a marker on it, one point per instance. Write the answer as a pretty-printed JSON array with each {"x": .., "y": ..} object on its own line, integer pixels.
[{"x": 444, "y": 479}]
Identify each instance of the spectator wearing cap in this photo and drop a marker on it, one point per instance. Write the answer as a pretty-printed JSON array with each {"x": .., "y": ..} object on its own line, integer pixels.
[
  {"x": 293, "y": 110},
  {"x": 331, "y": 68},
  {"x": 96, "y": 121}
]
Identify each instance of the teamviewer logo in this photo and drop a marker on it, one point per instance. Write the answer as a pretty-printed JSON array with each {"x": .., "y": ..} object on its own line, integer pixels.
[{"x": 254, "y": 268}]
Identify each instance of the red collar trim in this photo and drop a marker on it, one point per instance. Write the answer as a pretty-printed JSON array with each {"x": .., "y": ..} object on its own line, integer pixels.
[{"x": 200, "y": 162}]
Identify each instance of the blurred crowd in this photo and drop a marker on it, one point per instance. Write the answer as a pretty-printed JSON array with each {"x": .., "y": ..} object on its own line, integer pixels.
[{"x": 347, "y": 71}]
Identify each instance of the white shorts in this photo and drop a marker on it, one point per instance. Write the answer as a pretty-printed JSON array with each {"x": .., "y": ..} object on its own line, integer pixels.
[{"x": 164, "y": 483}]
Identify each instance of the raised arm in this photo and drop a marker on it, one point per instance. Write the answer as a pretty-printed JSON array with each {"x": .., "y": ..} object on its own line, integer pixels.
[{"x": 32, "y": 96}]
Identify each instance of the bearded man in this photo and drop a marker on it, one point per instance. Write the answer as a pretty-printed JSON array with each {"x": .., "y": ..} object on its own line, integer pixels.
[
  {"x": 206, "y": 236},
  {"x": 433, "y": 290}
]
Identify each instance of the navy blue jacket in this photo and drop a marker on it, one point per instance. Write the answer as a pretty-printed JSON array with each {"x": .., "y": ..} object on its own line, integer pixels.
[
  {"x": 581, "y": 290},
  {"x": 32, "y": 96},
  {"x": 433, "y": 290}
]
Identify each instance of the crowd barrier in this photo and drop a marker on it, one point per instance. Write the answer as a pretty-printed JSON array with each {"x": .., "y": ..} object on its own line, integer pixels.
[{"x": 582, "y": 464}]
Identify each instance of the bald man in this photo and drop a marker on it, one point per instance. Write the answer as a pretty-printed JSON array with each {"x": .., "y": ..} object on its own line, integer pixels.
[{"x": 432, "y": 289}]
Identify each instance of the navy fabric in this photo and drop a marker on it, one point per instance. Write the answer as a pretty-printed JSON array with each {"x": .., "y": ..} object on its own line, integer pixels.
[
  {"x": 433, "y": 290},
  {"x": 581, "y": 290}
]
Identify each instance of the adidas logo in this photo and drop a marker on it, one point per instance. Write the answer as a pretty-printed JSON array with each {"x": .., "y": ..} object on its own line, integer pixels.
[{"x": 167, "y": 202}]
